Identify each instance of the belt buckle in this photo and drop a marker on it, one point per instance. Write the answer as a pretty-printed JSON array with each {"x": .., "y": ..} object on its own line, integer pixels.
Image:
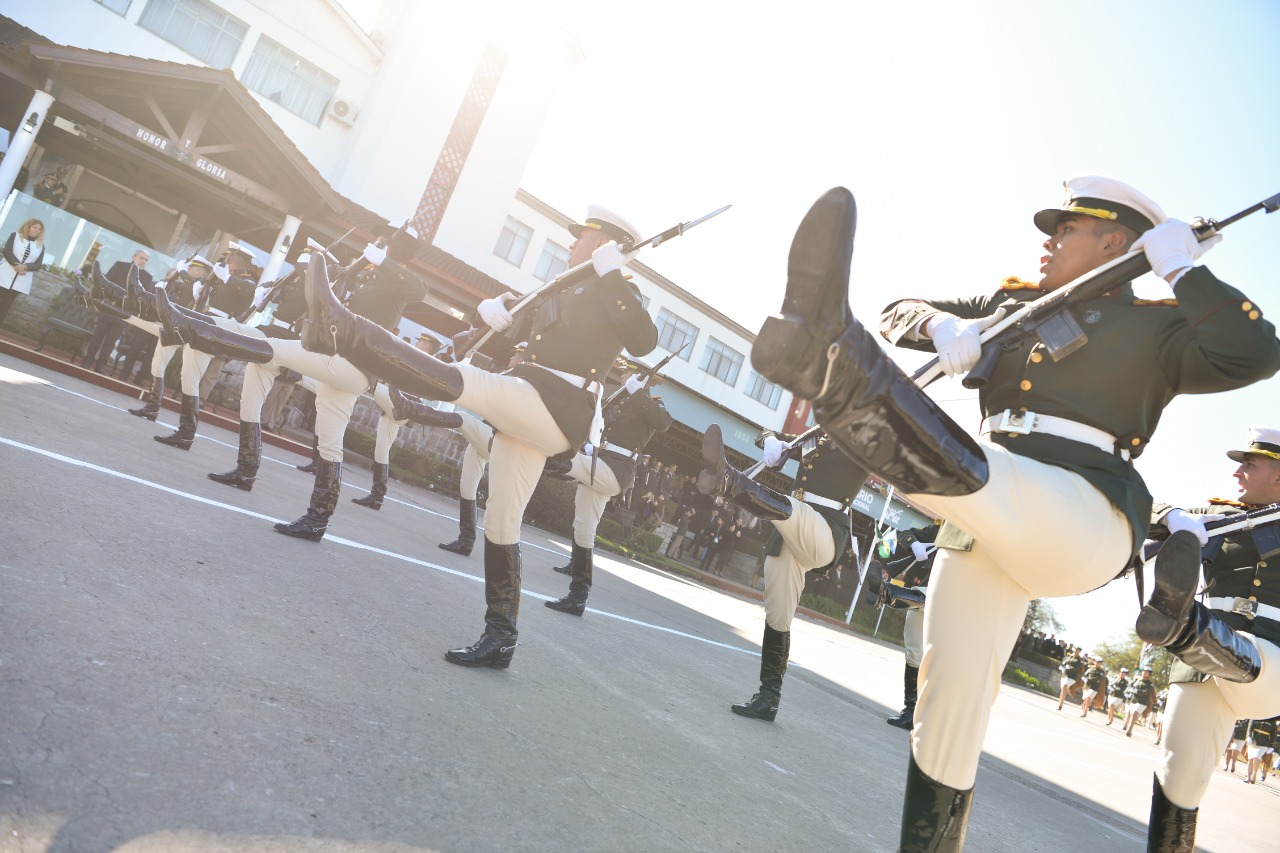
[
  {"x": 1246, "y": 607},
  {"x": 1016, "y": 422}
]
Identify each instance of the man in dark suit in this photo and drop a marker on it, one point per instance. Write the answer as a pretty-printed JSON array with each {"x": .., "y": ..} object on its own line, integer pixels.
[{"x": 107, "y": 329}]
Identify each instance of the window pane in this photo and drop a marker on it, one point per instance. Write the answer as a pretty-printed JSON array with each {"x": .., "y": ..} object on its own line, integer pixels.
[
  {"x": 759, "y": 388},
  {"x": 554, "y": 260},
  {"x": 513, "y": 242},
  {"x": 675, "y": 334},
  {"x": 200, "y": 28},
  {"x": 117, "y": 6},
  {"x": 721, "y": 361},
  {"x": 280, "y": 75}
]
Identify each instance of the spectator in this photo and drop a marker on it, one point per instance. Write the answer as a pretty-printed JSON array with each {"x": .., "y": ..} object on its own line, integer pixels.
[
  {"x": 727, "y": 547},
  {"x": 107, "y": 329},
  {"x": 51, "y": 190},
  {"x": 23, "y": 256},
  {"x": 683, "y": 518}
]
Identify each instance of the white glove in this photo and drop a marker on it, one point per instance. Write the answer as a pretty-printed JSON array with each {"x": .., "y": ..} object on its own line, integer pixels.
[
  {"x": 222, "y": 272},
  {"x": 1172, "y": 246},
  {"x": 494, "y": 312},
  {"x": 607, "y": 258},
  {"x": 587, "y": 449},
  {"x": 920, "y": 551},
  {"x": 957, "y": 341},
  {"x": 304, "y": 258},
  {"x": 635, "y": 383},
  {"x": 374, "y": 254},
  {"x": 1177, "y": 520},
  {"x": 774, "y": 449}
]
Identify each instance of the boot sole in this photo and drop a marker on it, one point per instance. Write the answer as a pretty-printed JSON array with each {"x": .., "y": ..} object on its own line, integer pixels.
[
  {"x": 179, "y": 445},
  {"x": 310, "y": 537},
  {"x": 1177, "y": 571},
  {"x": 149, "y": 416},
  {"x": 572, "y": 611},
  {"x": 766, "y": 716},
  {"x": 362, "y": 502},
  {"x": 499, "y": 663},
  {"x": 445, "y": 547},
  {"x": 239, "y": 484}
]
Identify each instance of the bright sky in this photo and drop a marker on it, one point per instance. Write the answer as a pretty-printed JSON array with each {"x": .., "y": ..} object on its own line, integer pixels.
[{"x": 951, "y": 123}]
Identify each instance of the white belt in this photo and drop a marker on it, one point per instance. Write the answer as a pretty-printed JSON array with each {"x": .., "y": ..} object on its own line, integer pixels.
[
  {"x": 821, "y": 501},
  {"x": 1243, "y": 605},
  {"x": 1023, "y": 423},
  {"x": 581, "y": 381},
  {"x": 618, "y": 448}
]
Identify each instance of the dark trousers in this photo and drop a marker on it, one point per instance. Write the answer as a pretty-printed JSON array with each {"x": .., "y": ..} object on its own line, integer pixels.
[
  {"x": 138, "y": 347},
  {"x": 7, "y": 298},
  {"x": 106, "y": 331}
]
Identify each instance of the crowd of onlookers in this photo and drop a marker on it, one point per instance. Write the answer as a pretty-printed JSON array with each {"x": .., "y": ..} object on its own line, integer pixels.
[{"x": 1046, "y": 645}]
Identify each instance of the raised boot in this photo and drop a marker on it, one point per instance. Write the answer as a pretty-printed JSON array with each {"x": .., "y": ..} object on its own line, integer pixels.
[
  {"x": 137, "y": 300},
  {"x": 324, "y": 499},
  {"x": 151, "y": 409},
  {"x": 107, "y": 296},
  {"x": 1171, "y": 829},
  {"x": 248, "y": 458},
  {"x": 580, "y": 565},
  {"x": 310, "y": 467},
  {"x": 330, "y": 328},
  {"x": 373, "y": 500},
  {"x": 1177, "y": 572},
  {"x": 405, "y": 409},
  {"x": 934, "y": 817},
  {"x": 466, "y": 529},
  {"x": 209, "y": 338},
  {"x": 1209, "y": 645},
  {"x": 910, "y": 686},
  {"x": 817, "y": 350},
  {"x": 188, "y": 422},
  {"x": 903, "y": 598},
  {"x": 502, "y": 599},
  {"x": 717, "y": 478},
  {"x": 774, "y": 652}
]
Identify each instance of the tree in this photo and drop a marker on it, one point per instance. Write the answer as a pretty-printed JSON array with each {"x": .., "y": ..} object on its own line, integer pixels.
[
  {"x": 1040, "y": 617},
  {"x": 1127, "y": 652}
]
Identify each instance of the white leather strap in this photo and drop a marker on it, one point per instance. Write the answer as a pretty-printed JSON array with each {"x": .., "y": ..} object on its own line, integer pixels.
[
  {"x": 1245, "y": 606},
  {"x": 1012, "y": 422}
]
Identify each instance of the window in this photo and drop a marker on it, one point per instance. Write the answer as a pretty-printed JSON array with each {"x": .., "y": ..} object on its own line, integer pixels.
[
  {"x": 280, "y": 75},
  {"x": 554, "y": 260},
  {"x": 675, "y": 334},
  {"x": 201, "y": 29},
  {"x": 513, "y": 242},
  {"x": 118, "y": 6},
  {"x": 721, "y": 362},
  {"x": 759, "y": 388}
]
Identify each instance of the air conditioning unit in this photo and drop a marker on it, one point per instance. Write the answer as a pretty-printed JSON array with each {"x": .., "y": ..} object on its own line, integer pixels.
[{"x": 343, "y": 111}]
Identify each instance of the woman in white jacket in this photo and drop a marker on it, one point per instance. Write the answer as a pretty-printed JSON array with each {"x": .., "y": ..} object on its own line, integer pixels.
[{"x": 23, "y": 255}]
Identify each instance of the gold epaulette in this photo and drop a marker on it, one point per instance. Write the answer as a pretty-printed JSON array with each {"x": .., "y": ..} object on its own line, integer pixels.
[
  {"x": 1227, "y": 502},
  {"x": 1015, "y": 283},
  {"x": 1147, "y": 303}
]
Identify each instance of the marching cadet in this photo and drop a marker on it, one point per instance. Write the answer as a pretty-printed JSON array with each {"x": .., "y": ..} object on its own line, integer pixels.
[
  {"x": 812, "y": 532},
  {"x": 1058, "y": 437},
  {"x": 629, "y": 425},
  {"x": 1227, "y": 645},
  {"x": 383, "y": 289},
  {"x": 1094, "y": 682},
  {"x": 1235, "y": 746},
  {"x": 134, "y": 304},
  {"x": 542, "y": 407},
  {"x": 1142, "y": 698},
  {"x": 1261, "y": 745},
  {"x": 1071, "y": 668},
  {"x": 1115, "y": 698},
  {"x": 230, "y": 296},
  {"x": 910, "y": 597}
]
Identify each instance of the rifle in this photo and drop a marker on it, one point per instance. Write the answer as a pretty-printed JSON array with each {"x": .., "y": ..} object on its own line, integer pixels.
[
  {"x": 1263, "y": 523},
  {"x": 278, "y": 286},
  {"x": 650, "y": 371},
  {"x": 1049, "y": 318},
  {"x": 469, "y": 342}
]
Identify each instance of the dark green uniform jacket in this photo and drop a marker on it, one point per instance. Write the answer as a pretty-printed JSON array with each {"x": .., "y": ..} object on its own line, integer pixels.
[
  {"x": 629, "y": 425},
  {"x": 824, "y": 471},
  {"x": 592, "y": 324},
  {"x": 1140, "y": 355},
  {"x": 232, "y": 297},
  {"x": 382, "y": 296},
  {"x": 1119, "y": 687}
]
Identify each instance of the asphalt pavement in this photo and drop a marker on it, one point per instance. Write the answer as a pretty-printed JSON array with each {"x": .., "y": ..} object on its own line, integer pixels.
[{"x": 176, "y": 676}]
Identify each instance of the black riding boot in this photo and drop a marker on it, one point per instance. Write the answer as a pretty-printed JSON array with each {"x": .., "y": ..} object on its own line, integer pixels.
[
  {"x": 934, "y": 817},
  {"x": 324, "y": 499},
  {"x": 466, "y": 529},
  {"x": 774, "y": 651},
  {"x": 903, "y": 598},
  {"x": 208, "y": 338},
  {"x": 331, "y": 328},
  {"x": 1171, "y": 829},
  {"x": 188, "y": 421},
  {"x": 310, "y": 467},
  {"x": 1209, "y": 645},
  {"x": 248, "y": 458},
  {"x": 502, "y": 599},
  {"x": 575, "y": 603},
  {"x": 405, "y": 409},
  {"x": 1177, "y": 573},
  {"x": 910, "y": 686},
  {"x": 107, "y": 296},
  {"x": 817, "y": 350},
  {"x": 151, "y": 409},
  {"x": 373, "y": 500},
  {"x": 718, "y": 479}
]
